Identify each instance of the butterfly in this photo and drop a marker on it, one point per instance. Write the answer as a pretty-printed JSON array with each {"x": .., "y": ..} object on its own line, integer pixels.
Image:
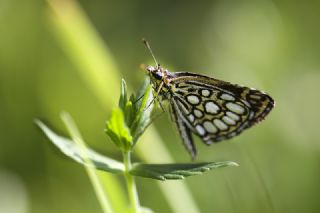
[{"x": 212, "y": 109}]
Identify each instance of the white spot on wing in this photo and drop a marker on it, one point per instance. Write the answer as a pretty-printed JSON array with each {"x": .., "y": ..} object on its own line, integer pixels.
[
  {"x": 192, "y": 99},
  {"x": 257, "y": 97},
  {"x": 233, "y": 116},
  {"x": 228, "y": 120},
  {"x": 209, "y": 127},
  {"x": 205, "y": 92},
  {"x": 200, "y": 129},
  {"x": 227, "y": 97},
  {"x": 211, "y": 107},
  {"x": 235, "y": 108},
  {"x": 197, "y": 113},
  {"x": 220, "y": 124},
  {"x": 191, "y": 118},
  {"x": 251, "y": 115}
]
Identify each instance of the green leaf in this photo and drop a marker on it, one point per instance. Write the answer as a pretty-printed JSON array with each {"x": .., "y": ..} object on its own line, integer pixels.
[
  {"x": 142, "y": 210},
  {"x": 72, "y": 150},
  {"x": 133, "y": 113},
  {"x": 123, "y": 95},
  {"x": 143, "y": 111},
  {"x": 146, "y": 210},
  {"x": 129, "y": 113},
  {"x": 175, "y": 171},
  {"x": 118, "y": 131}
]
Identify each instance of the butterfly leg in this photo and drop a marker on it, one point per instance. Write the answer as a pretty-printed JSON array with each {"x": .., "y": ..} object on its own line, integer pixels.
[
  {"x": 156, "y": 96},
  {"x": 138, "y": 99}
]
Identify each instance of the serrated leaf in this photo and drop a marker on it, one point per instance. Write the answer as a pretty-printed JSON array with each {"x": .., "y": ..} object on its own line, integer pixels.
[
  {"x": 175, "y": 171},
  {"x": 118, "y": 131},
  {"x": 72, "y": 150}
]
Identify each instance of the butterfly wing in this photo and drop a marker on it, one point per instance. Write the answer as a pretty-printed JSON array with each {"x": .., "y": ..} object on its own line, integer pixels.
[
  {"x": 184, "y": 130},
  {"x": 214, "y": 110}
]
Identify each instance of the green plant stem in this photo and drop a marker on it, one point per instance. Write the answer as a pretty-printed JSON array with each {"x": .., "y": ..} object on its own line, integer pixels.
[
  {"x": 98, "y": 188},
  {"x": 131, "y": 184}
]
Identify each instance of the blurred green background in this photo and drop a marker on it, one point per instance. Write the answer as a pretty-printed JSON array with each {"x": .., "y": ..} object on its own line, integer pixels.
[{"x": 70, "y": 55}]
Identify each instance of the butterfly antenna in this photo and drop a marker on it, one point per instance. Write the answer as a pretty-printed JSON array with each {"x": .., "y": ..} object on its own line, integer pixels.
[{"x": 146, "y": 43}]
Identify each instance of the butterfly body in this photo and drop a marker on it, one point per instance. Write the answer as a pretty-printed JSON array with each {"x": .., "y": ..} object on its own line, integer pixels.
[{"x": 212, "y": 109}]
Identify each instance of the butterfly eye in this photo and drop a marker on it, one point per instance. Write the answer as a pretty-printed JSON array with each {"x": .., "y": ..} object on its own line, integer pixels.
[{"x": 157, "y": 75}]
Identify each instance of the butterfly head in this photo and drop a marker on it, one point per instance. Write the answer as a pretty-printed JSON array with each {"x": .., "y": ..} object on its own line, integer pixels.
[{"x": 157, "y": 73}]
